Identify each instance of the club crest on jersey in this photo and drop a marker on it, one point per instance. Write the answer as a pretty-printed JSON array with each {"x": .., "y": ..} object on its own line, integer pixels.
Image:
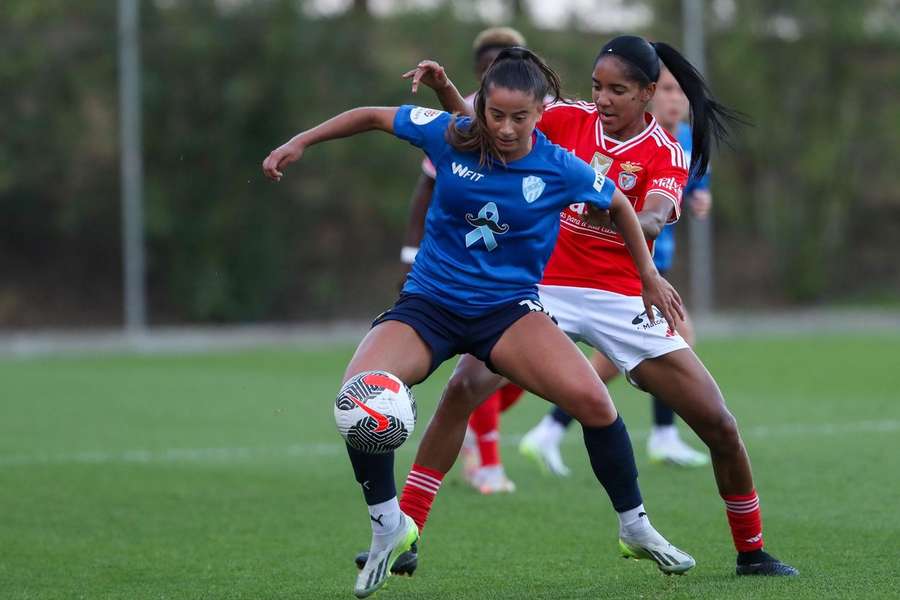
[
  {"x": 628, "y": 176},
  {"x": 601, "y": 163},
  {"x": 422, "y": 116},
  {"x": 532, "y": 188}
]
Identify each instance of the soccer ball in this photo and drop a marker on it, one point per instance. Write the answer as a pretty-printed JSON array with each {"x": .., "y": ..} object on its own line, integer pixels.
[{"x": 375, "y": 412}]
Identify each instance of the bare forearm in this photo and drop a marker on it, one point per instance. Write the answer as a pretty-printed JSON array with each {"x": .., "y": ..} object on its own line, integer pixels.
[
  {"x": 452, "y": 100},
  {"x": 351, "y": 122},
  {"x": 652, "y": 224},
  {"x": 415, "y": 227}
]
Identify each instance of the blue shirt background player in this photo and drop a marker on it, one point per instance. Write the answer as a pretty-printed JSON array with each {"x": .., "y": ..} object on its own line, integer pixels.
[
  {"x": 491, "y": 229},
  {"x": 664, "y": 249}
]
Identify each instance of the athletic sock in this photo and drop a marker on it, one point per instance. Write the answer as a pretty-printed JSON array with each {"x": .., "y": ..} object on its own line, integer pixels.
[
  {"x": 662, "y": 414},
  {"x": 489, "y": 448},
  {"x": 385, "y": 516},
  {"x": 375, "y": 473},
  {"x": 633, "y": 519},
  {"x": 509, "y": 395},
  {"x": 484, "y": 422},
  {"x": 745, "y": 520},
  {"x": 422, "y": 485},
  {"x": 612, "y": 459},
  {"x": 561, "y": 416},
  {"x": 664, "y": 433},
  {"x": 549, "y": 431}
]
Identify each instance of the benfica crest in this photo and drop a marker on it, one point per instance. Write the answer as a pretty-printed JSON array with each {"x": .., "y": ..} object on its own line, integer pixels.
[{"x": 628, "y": 176}]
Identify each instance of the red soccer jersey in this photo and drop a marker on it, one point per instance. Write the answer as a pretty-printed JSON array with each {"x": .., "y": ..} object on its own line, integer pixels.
[{"x": 652, "y": 161}]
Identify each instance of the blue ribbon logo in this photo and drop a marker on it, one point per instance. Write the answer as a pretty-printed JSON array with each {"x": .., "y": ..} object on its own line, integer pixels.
[{"x": 486, "y": 224}]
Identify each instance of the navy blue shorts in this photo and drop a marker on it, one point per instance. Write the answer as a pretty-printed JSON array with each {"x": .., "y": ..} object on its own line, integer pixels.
[{"x": 449, "y": 334}]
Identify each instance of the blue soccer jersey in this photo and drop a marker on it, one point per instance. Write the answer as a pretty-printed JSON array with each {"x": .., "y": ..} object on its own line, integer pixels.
[
  {"x": 490, "y": 230},
  {"x": 664, "y": 248}
]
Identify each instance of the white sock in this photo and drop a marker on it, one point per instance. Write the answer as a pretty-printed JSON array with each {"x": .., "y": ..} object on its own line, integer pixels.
[
  {"x": 385, "y": 517},
  {"x": 490, "y": 471},
  {"x": 634, "y": 518},
  {"x": 664, "y": 433},
  {"x": 551, "y": 431}
]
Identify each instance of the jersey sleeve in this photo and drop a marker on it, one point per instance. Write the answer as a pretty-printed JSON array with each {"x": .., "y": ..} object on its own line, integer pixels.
[
  {"x": 670, "y": 181},
  {"x": 588, "y": 186},
  {"x": 424, "y": 128}
]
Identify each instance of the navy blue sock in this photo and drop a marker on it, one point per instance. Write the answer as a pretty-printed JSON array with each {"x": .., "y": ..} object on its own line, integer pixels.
[
  {"x": 560, "y": 416},
  {"x": 375, "y": 473},
  {"x": 612, "y": 459},
  {"x": 662, "y": 414}
]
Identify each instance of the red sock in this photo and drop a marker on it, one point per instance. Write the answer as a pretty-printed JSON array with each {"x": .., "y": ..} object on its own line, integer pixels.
[
  {"x": 745, "y": 521},
  {"x": 509, "y": 395},
  {"x": 484, "y": 422},
  {"x": 422, "y": 485}
]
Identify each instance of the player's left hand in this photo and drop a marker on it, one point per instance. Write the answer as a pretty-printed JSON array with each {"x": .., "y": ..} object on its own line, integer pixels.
[
  {"x": 281, "y": 157},
  {"x": 430, "y": 73},
  {"x": 597, "y": 217},
  {"x": 658, "y": 292}
]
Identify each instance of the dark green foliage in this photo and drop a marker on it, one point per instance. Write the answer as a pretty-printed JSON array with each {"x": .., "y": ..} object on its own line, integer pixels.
[{"x": 809, "y": 191}]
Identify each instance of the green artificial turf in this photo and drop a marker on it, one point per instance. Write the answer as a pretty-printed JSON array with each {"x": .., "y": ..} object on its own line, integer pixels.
[{"x": 222, "y": 476}]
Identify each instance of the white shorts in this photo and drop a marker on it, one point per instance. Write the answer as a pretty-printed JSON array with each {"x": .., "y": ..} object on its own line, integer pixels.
[{"x": 614, "y": 324}]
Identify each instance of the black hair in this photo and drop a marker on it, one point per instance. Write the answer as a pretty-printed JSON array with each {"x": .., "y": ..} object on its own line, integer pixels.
[
  {"x": 514, "y": 68},
  {"x": 709, "y": 118}
]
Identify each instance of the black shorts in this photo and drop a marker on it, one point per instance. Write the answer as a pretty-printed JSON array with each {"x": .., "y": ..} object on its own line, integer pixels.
[{"x": 449, "y": 334}]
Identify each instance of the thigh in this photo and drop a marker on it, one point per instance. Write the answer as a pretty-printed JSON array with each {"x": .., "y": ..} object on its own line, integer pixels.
[
  {"x": 619, "y": 326},
  {"x": 472, "y": 378},
  {"x": 395, "y": 347},
  {"x": 681, "y": 381},
  {"x": 604, "y": 367},
  {"x": 535, "y": 354}
]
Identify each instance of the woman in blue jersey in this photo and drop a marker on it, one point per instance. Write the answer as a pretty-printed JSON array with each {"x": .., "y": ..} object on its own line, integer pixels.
[{"x": 473, "y": 288}]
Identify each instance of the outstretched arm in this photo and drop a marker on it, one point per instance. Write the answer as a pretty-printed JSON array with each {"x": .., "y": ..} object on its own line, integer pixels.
[
  {"x": 430, "y": 73},
  {"x": 656, "y": 291},
  {"x": 345, "y": 124}
]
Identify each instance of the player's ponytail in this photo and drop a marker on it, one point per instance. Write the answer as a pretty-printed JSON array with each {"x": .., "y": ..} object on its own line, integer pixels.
[
  {"x": 514, "y": 68},
  {"x": 709, "y": 118}
]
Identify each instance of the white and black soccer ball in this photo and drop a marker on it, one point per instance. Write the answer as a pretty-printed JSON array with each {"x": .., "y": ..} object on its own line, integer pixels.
[{"x": 375, "y": 412}]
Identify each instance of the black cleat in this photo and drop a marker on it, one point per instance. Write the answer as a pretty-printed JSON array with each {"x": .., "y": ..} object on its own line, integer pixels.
[
  {"x": 763, "y": 563},
  {"x": 405, "y": 564}
]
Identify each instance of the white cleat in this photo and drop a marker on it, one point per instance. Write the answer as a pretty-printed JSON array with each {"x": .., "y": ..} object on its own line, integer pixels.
[
  {"x": 378, "y": 566},
  {"x": 669, "y": 449},
  {"x": 492, "y": 480},
  {"x": 647, "y": 543},
  {"x": 545, "y": 454}
]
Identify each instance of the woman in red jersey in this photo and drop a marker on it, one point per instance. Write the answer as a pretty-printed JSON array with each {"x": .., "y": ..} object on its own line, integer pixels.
[{"x": 592, "y": 286}]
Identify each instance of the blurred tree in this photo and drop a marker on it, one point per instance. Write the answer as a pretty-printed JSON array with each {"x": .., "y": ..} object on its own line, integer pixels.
[{"x": 807, "y": 201}]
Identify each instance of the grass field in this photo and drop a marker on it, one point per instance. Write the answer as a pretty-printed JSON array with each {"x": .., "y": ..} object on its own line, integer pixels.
[{"x": 221, "y": 476}]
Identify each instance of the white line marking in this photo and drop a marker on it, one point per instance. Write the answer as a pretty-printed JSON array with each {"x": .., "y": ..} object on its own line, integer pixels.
[{"x": 315, "y": 450}]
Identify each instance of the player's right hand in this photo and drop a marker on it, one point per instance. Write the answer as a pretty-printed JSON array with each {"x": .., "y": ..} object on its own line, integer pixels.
[
  {"x": 658, "y": 292},
  {"x": 430, "y": 73},
  {"x": 279, "y": 158}
]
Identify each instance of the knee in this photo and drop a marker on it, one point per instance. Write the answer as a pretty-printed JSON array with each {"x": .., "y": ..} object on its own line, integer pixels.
[
  {"x": 463, "y": 393},
  {"x": 722, "y": 434},
  {"x": 593, "y": 408}
]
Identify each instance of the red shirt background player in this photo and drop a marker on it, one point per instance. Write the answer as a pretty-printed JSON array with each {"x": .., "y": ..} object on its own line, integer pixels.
[{"x": 592, "y": 256}]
